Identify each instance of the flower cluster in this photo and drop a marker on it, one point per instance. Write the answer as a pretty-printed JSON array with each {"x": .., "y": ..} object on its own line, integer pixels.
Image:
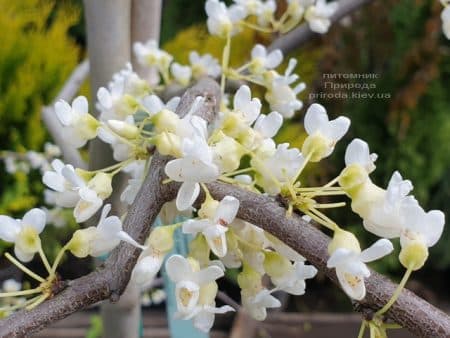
[{"x": 235, "y": 146}]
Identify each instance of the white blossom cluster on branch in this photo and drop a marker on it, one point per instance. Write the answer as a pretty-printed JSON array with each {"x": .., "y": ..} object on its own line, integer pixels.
[{"x": 236, "y": 147}]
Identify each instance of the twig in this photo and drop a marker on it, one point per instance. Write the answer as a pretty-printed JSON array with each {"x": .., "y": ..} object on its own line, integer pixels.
[
  {"x": 228, "y": 300},
  {"x": 109, "y": 281},
  {"x": 67, "y": 93},
  {"x": 302, "y": 34}
]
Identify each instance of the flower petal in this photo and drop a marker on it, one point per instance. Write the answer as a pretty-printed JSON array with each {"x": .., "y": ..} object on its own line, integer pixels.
[
  {"x": 193, "y": 226},
  {"x": 207, "y": 275},
  {"x": 178, "y": 268},
  {"x": 274, "y": 59},
  {"x": 35, "y": 218},
  {"x": 187, "y": 194},
  {"x": 104, "y": 97},
  {"x": 338, "y": 128},
  {"x": 316, "y": 117},
  {"x": 80, "y": 105},
  {"x": 64, "y": 112},
  {"x": 226, "y": 210},
  {"x": 340, "y": 256},
  {"x": 353, "y": 286},
  {"x": 377, "y": 250},
  {"x": 9, "y": 228},
  {"x": 268, "y": 125},
  {"x": 435, "y": 220}
]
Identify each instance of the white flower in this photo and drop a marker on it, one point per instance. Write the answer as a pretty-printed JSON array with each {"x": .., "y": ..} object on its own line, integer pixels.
[
  {"x": 263, "y": 61},
  {"x": 102, "y": 239},
  {"x": 252, "y": 7},
  {"x": 121, "y": 98},
  {"x": 296, "y": 8},
  {"x": 182, "y": 74},
  {"x": 445, "y": 17},
  {"x": 24, "y": 233},
  {"x": 65, "y": 182},
  {"x": 318, "y": 15},
  {"x": 203, "y": 317},
  {"x": 147, "y": 267},
  {"x": 37, "y": 160},
  {"x": 149, "y": 54},
  {"x": 51, "y": 150},
  {"x": 195, "y": 166},
  {"x": 280, "y": 95},
  {"x": 248, "y": 108},
  {"x": 258, "y": 304},
  {"x": 323, "y": 133},
  {"x": 276, "y": 166},
  {"x": 204, "y": 65},
  {"x": 215, "y": 226},
  {"x": 357, "y": 152},
  {"x": 266, "y": 12},
  {"x": 78, "y": 125},
  {"x": 72, "y": 191},
  {"x": 421, "y": 231},
  {"x": 293, "y": 280},
  {"x": 268, "y": 125},
  {"x": 121, "y": 150},
  {"x": 189, "y": 281},
  {"x": 426, "y": 227},
  {"x": 154, "y": 105},
  {"x": 383, "y": 216},
  {"x": 222, "y": 20},
  {"x": 350, "y": 267}
]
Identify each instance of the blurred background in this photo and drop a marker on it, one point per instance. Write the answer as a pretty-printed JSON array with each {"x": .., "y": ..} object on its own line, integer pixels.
[{"x": 407, "y": 122}]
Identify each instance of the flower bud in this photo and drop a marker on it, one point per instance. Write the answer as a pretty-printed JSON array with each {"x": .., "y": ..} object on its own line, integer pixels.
[
  {"x": 166, "y": 120},
  {"x": 208, "y": 208},
  {"x": 208, "y": 293},
  {"x": 101, "y": 184},
  {"x": 161, "y": 238},
  {"x": 199, "y": 250},
  {"x": 352, "y": 177},
  {"x": 413, "y": 255},
  {"x": 343, "y": 239},
  {"x": 276, "y": 265},
  {"x": 168, "y": 144},
  {"x": 123, "y": 129},
  {"x": 249, "y": 280},
  {"x": 79, "y": 245},
  {"x": 316, "y": 147},
  {"x": 228, "y": 153},
  {"x": 87, "y": 126}
]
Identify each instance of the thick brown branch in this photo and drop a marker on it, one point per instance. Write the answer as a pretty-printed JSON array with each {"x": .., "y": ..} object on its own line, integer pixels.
[
  {"x": 302, "y": 34},
  {"x": 410, "y": 311},
  {"x": 110, "y": 280}
]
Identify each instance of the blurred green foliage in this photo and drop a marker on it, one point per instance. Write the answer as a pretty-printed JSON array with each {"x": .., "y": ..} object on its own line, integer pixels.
[
  {"x": 36, "y": 57},
  {"x": 402, "y": 42}
]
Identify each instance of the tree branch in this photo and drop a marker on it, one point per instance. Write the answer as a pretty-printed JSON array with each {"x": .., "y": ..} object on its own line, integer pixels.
[
  {"x": 69, "y": 90},
  {"x": 109, "y": 281},
  {"x": 302, "y": 34}
]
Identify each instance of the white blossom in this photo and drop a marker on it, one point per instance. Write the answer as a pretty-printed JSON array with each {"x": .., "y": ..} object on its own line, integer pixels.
[
  {"x": 318, "y": 15},
  {"x": 222, "y": 20},
  {"x": 204, "y": 65},
  {"x": 24, "y": 233},
  {"x": 351, "y": 268},
  {"x": 215, "y": 226}
]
